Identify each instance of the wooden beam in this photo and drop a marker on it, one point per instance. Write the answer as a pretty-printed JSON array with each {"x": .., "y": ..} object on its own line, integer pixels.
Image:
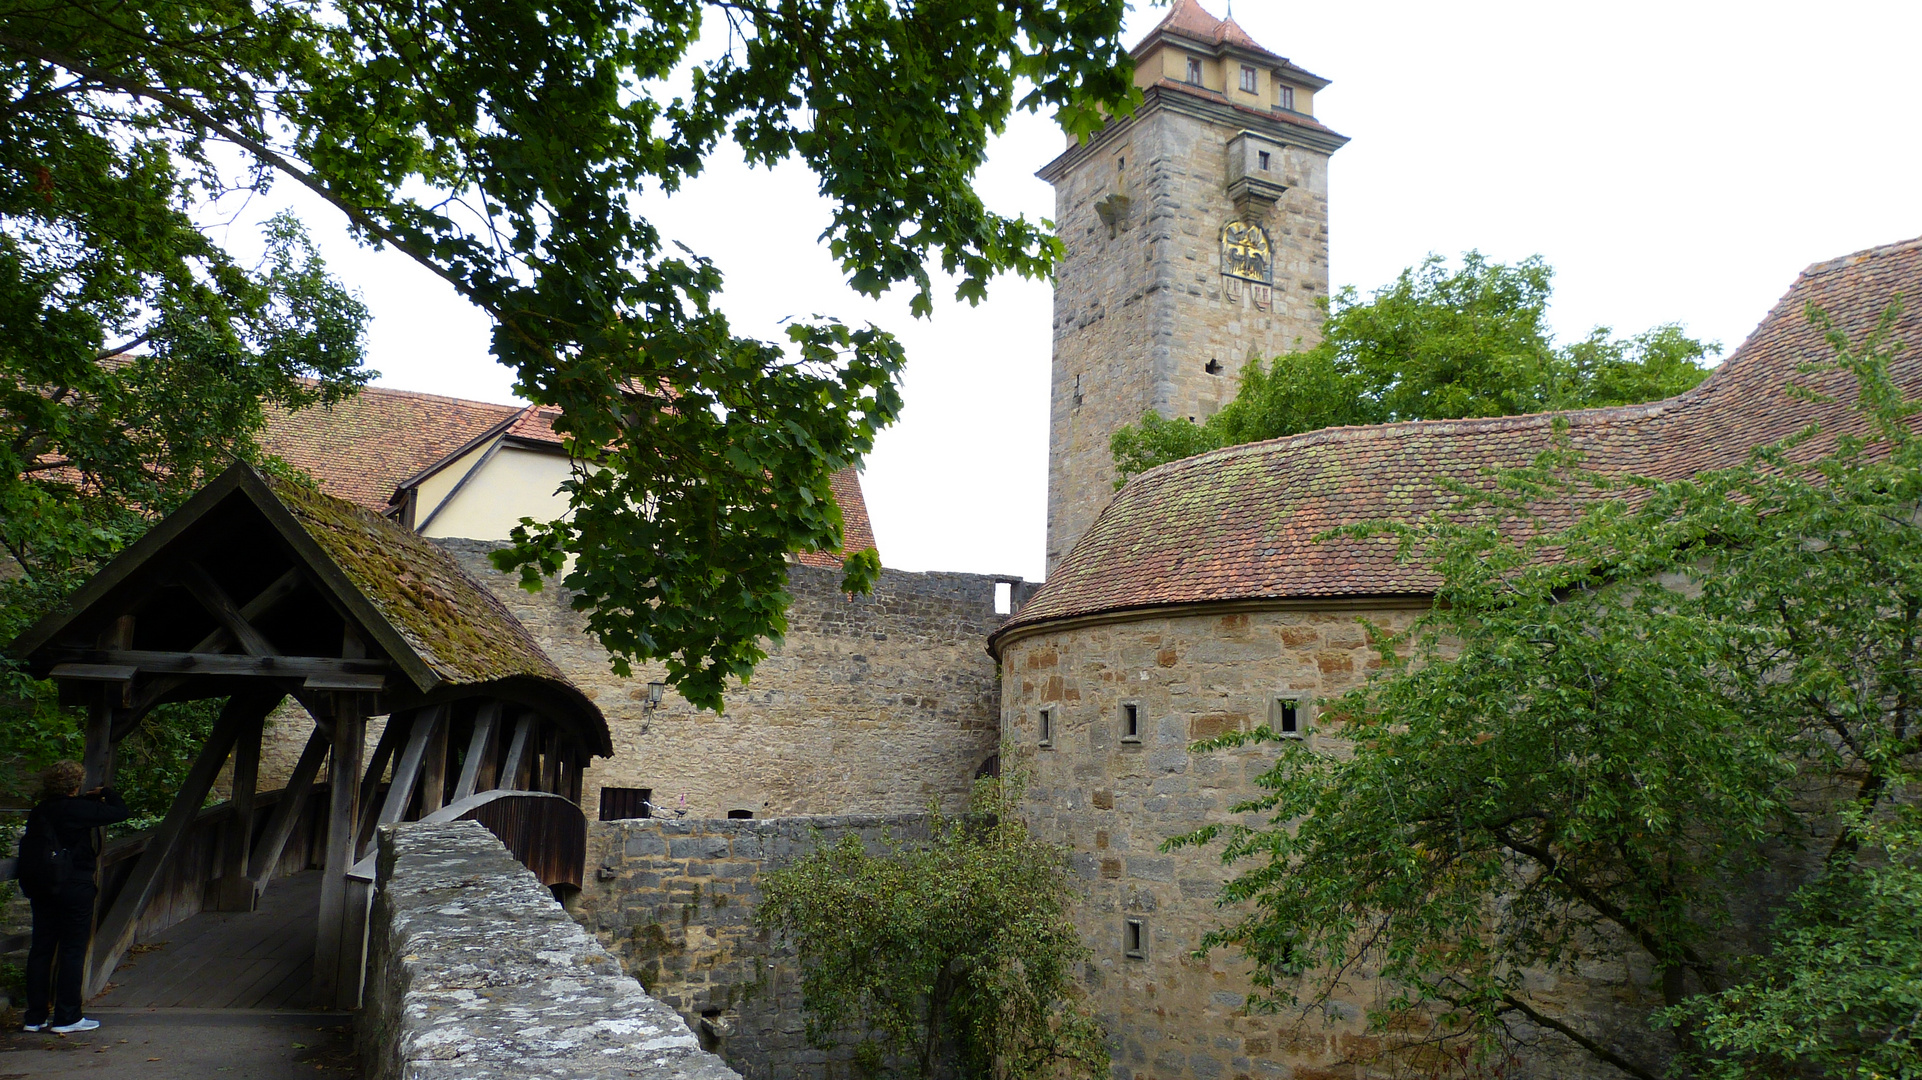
[
  {"x": 113, "y": 673},
  {"x": 480, "y": 751},
  {"x": 116, "y": 929},
  {"x": 433, "y": 774},
  {"x": 152, "y": 662},
  {"x": 293, "y": 798},
  {"x": 397, "y": 725},
  {"x": 407, "y": 769},
  {"x": 350, "y": 726},
  {"x": 280, "y": 589},
  {"x": 551, "y": 761},
  {"x": 517, "y": 752},
  {"x": 233, "y": 889},
  {"x": 208, "y": 593},
  {"x": 97, "y": 757}
]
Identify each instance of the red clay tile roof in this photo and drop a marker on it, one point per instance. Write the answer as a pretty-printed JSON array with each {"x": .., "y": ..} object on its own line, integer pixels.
[
  {"x": 1241, "y": 523},
  {"x": 536, "y": 424},
  {"x": 362, "y": 448},
  {"x": 365, "y": 447},
  {"x": 1190, "y": 20}
]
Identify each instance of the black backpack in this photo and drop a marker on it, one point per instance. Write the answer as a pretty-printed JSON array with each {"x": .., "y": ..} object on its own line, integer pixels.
[{"x": 45, "y": 864}]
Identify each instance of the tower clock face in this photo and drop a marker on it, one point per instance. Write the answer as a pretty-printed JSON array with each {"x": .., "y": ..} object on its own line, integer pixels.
[{"x": 1245, "y": 252}]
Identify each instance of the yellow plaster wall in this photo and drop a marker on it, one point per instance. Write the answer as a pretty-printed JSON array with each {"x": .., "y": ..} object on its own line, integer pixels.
[{"x": 515, "y": 483}]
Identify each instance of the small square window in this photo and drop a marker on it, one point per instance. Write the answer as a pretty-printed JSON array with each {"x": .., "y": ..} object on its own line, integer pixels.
[
  {"x": 1247, "y": 78},
  {"x": 1288, "y": 716},
  {"x": 1134, "y": 939},
  {"x": 1047, "y": 727},
  {"x": 1288, "y": 98},
  {"x": 1130, "y": 721},
  {"x": 1194, "y": 71}
]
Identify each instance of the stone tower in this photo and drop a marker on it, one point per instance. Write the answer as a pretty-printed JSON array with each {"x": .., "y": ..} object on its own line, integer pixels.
[{"x": 1197, "y": 237}]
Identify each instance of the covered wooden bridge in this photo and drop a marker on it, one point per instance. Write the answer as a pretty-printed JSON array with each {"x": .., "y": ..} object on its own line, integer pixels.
[{"x": 260, "y": 589}]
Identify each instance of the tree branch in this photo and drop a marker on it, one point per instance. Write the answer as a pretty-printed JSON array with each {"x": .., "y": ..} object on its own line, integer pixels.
[{"x": 1516, "y": 1004}]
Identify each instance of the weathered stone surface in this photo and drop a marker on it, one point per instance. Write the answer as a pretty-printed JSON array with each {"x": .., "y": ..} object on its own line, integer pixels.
[
  {"x": 475, "y": 971},
  {"x": 684, "y": 924}
]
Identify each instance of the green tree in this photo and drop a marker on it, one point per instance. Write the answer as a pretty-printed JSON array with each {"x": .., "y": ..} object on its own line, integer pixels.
[
  {"x": 137, "y": 355},
  {"x": 1598, "y": 728},
  {"x": 1435, "y": 344},
  {"x": 962, "y": 944},
  {"x": 500, "y": 144},
  {"x": 1840, "y": 992}
]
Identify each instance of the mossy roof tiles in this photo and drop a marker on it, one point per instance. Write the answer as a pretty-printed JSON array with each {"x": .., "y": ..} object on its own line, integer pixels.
[{"x": 1242, "y": 523}]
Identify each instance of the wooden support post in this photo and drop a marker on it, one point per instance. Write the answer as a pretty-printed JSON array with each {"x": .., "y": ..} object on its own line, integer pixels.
[
  {"x": 390, "y": 737},
  {"x": 97, "y": 757},
  {"x": 116, "y": 928},
  {"x": 476, "y": 770},
  {"x": 273, "y": 839},
  {"x": 433, "y": 773},
  {"x": 517, "y": 754},
  {"x": 233, "y": 889},
  {"x": 350, "y": 728},
  {"x": 551, "y": 761}
]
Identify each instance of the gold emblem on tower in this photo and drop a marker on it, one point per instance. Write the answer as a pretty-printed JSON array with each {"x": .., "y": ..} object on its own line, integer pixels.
[{"x": 1245, "y": 253}]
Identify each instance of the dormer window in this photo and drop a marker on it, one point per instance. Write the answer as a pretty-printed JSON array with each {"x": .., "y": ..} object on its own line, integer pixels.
[
  {"x": 1248, "y": 78},
  {"x": 1288, "y": 98},
  {"x": 1194, "y": 71}
]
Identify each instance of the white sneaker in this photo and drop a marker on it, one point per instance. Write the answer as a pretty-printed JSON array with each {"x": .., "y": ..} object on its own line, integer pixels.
[
  {"x": 82, "y": 1024},
  {"x": 41, "y": 1026}
]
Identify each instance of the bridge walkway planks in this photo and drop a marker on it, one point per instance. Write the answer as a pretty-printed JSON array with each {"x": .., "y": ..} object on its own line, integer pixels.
[{"x": 228, "y": 960}]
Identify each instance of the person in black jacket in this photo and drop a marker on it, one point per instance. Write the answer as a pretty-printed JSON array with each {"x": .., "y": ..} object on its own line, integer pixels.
[{"x": 57, "y": 861}]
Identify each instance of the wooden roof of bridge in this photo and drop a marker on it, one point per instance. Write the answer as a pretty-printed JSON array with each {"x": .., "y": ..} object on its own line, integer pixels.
[{"x": 442, "y": 631}]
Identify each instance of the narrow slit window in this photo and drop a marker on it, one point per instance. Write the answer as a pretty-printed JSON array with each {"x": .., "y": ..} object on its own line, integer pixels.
[
  {"x": 1194, "y": 71},
  {"x": 1003, "y": 597},
  {"x": 1130, "y": 722},
  {"x": 1262, "y": 157},
  {"x": 1248, "y": 78},
  {"x": 1288, "y": 98},
  {"x": 1134, "y": 939},
  {"x": 1047, "y": 727}
]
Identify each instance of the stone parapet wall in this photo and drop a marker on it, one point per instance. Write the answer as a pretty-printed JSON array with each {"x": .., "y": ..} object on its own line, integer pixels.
[
  {"x": 675, "y": 900},
  {"x": 475, "y": 972}
]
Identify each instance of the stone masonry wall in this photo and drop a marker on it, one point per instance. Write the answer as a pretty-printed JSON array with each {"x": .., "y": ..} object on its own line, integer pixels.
[
  {"x": 873, "y": 704},
  {"x": 1114, "y": 802},
  {"x": 1140, "y": 311},
  {"x": 475, "y": 972},
  {"x": 675, "y": 901}
]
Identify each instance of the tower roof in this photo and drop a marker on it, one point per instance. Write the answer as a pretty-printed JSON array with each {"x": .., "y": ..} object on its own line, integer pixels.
[{"x": 1188, "y": 19}]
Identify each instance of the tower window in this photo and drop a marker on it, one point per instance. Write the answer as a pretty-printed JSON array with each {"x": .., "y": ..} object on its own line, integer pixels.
[
  {"x": 1212, "y": 367},
  {"x": 1130, "y": 722},
  {"x": 1047, "y": 727},
  {"x": 1248, "y": 78},
  {"x": 1288, "y": 717},
  {"x": 1261, "y": 157},
  {"x": 1134, "y": 939},
  {"x": 1003, "y": 597},
  {"x": 741, "y": 815},
  {"x": 1288, "y": 98},
  {"x": 1194, "y": 71}
]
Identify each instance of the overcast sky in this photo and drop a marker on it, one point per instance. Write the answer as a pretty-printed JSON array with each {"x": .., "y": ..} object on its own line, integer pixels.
[{"x": 1674, "y": 162}]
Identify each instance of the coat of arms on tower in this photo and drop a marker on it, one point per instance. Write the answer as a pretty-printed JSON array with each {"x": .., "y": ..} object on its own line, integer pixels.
[{"x": 1245, "y": 253}]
